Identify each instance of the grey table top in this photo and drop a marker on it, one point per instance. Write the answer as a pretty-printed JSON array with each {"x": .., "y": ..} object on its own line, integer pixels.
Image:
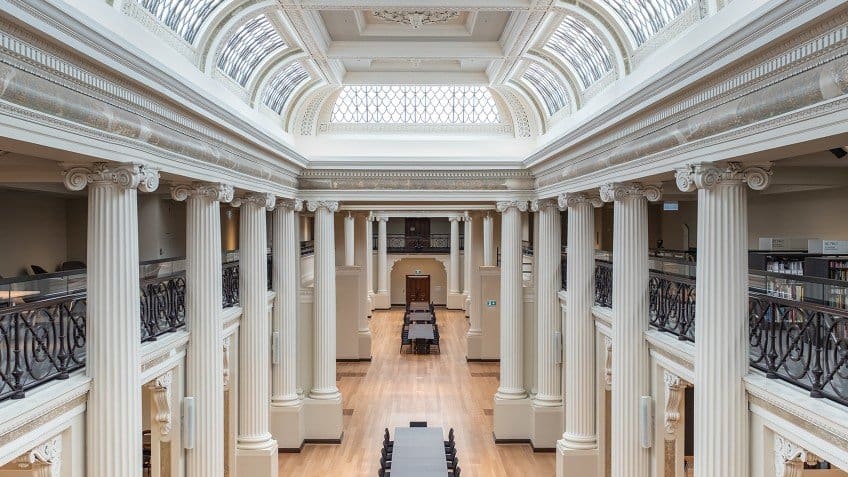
[
  {"x": 422, "y": 316},
  {"x": 419, "y": 306},
  {"x": 419, "y": 452},
  {"x": 421, "y": 332}
]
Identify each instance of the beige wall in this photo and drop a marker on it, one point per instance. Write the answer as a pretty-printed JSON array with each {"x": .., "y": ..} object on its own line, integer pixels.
[
  {"x": 428, "y": 266},
  {"x": 161, "y": 232}
]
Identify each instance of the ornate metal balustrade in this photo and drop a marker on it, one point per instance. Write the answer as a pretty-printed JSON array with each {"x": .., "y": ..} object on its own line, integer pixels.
[
  {"x": 162, "y": 305},
  {"x": 270, "y": 274},
  {"x": 230, "y": 281},
  {"x": 563, "y": 266},
  {"x": 39, "y": 342},
  {"x": 672, "y": 304},
  {"x": 433, "y": 243},
  {"x": 603, "y": 283},
  {"x": 802, "y": 343},
  {"x": 307, "y": 247}
]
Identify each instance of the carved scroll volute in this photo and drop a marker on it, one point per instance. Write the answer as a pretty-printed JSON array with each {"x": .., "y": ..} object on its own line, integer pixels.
[
  {"x": 789, "y": 458},
  {"x": 608, "y": 363},
  {"x": 618, "y": 191},
  {"x": 128, "y": 176},
  {"x": 706, "y": 175},
  {"x": 44, "y": 460},
  {"x": 674, "y": 391},
  {"x": 161, "y": 397}
]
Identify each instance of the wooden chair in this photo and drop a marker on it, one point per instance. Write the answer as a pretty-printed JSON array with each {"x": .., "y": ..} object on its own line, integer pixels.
[{"x": 417, "y": 423}]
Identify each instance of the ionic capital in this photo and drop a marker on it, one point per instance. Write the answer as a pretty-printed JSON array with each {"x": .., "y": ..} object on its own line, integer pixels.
[
  {"x": 572, "y": 199},
  {"x": 455, "y": 218},
  {"x": 213, "y": 191},
  {"x": 128, "y": 176},
  {"x": 789, "y": 458},
  {"x": 504, "y": 205},
  {"x": 537, "y": 205},
  {"x": 706, "y": 175},
  {"x": 260, "y": 199},
  {"x": 295, "y": 205},
  {"x": 626, "y": 190},
  {"x": 332, "y": 206},
  {"x": 161, "y": 393},
  {"x": 674, "y": 392}
]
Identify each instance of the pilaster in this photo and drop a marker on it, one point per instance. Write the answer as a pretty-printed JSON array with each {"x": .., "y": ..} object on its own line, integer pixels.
[
  {"x": 467, "y": 262},
  {"x": 455, "y": 298},
  {"x": 488, "y": 241},
  {"x": 381, "y": 299}
]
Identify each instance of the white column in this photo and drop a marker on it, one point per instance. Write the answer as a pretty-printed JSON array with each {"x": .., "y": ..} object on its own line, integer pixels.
[
  {"x": 488, "y": 241},
  {"x": 721, "y": 344},
  {"x": 630, "y": 361},
  {"x": 324, "y": 382},
  {"x": 382, "y": 259},
  {"x": 255, "y": 329},
  {"x": 512, "y": 302},
  {"x": 113, "y": 334},
  {"x": 549, "y": 311},
  {"x": 350, "y": 250},
  {"x": 369, "y": 258},
  {"x": 286, "y": 254},
  {"x": 466, "y": 266},
  {"x": 204, "y": 362},
  {"x": 455, "y": 300},
  {"x": 578, "y": 328}
]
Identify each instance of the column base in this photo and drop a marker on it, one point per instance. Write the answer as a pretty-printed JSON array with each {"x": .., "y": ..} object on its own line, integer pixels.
[
  {"x": 474, "y": 338},
  {"x": 288, "y": 425},
  {"x": 257, "y": 462},
  {"x": 369, "y": 304},
  {"x": 323, "y": 420},
  {"x": 513, "y": 420},
  {"x": 547, "y": 427},
  {"x": 456, "y": 301},
  {"x": 381, "y": 301},
  {"x": 576, "y": 462},
  {"x": 364, "y": 345},
  {"x": 467, "y": 305}
]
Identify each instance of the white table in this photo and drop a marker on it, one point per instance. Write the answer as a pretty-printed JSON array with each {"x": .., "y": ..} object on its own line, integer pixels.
[{"x": 419, "y": 452}]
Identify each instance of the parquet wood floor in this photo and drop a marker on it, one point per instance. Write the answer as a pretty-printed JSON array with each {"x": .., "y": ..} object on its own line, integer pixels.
[{"x": 393, "y": 389}]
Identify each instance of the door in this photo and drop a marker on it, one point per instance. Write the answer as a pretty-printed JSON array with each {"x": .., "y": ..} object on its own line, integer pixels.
[
  {"x": 417, "y": 288},
  {"x": 417, "y": 233}
]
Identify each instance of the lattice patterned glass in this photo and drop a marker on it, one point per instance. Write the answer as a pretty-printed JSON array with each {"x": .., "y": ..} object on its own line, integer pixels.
[
  {"x": 253, "y": 42},
  {"x": 645, "y": 18},
  {"x": 384, "y": 104},
  {"x": 282, "y": 85},
  {"x": 579, "y": 46},
  {"x": 547, "y": 87},
  {"x": 185, "y": 17}
]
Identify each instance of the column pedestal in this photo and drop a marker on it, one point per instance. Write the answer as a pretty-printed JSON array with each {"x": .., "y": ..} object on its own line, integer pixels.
[
  {"x": 547, "y": 427},
  {"x": 257, "y": 462},
  {"x": 571, "y": 462},
  {"x": 324, "y": 420},
  {"x": 513, "y": 420},
  {"x": 288, "y": 425}
]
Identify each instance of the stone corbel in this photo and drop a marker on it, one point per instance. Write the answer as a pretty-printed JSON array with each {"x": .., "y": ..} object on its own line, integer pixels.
[
  {"x": 674, "y": 392},
  {"x": 607, "y": 363},
  {"x": 43, "y": 461},
  {"x": 226, "y": 363},
  {"x": 706, "y": 175},
  {"x": 789, "y": 458},
  {"x": 161, "y": 394}
]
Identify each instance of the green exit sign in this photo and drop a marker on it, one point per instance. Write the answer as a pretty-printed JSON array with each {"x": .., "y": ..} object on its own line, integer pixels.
[{"x": 491, "y": 303}]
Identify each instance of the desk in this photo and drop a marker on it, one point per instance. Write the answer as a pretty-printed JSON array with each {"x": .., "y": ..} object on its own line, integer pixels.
[
  {"x": 16, "y": 297},
  {"x": 419, "y": 452},
  {"x": 419, "y": 306},
  {"x": 421, "y": 317},
  {"x": 421, "y": 336}
]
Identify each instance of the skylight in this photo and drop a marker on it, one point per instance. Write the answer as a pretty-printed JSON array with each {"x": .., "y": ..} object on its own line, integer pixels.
[
  {"x": 547, "y": 87},
  {"x": 252, "y": 42},
  {"x": 580, "y": 47},
  {"x": 645, "y": 18},
  {"x": 185, "y": 17},
  {"x": 281, "y": 86},
  {"x": 407, "y": 104}
]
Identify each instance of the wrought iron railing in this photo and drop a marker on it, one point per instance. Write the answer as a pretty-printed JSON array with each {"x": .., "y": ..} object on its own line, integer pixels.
[
  {"x": 230, "y": 282},
  {"x": 603, "y": 283},
  {"x": 162, "y": 305},
  {"x": 307, "y": 247},
  {"x": 803, "y": 343},
  {"x": 39, "y": 342},
  {"x": 563, "y": 266},
  {"x": 672, "y": 304},
  {"x": 433, "y": 243}
]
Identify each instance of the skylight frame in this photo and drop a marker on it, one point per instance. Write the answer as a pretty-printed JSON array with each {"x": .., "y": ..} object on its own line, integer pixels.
[
  {"x": 546, "y": 86},
  {"x": 183, "y": 17},
  {"x": 644, "y": 18},
  {"x": 279, "y": 89},
  {"x": 252, "y": 42},
  {"x": 579, "y": 46}
]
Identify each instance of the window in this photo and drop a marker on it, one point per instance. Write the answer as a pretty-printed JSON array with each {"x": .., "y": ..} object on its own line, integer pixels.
[
  {"x": 546, "y": 86},
  {"x": 645, "y": 18},
  {"x": 282, "y": 85},
  {"x": 579, "y": 46},
  {"x": 416, "y": 105},
  {"x": 185, "y": 17},
  {"x": 253, "y": 42}
]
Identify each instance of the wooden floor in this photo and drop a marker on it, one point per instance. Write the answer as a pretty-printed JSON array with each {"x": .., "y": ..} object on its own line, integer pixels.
[{"x": 393, "y": 389}]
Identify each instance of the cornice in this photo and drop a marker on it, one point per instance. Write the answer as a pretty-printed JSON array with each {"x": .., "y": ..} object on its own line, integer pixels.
[{"x": 506, "y": 180}]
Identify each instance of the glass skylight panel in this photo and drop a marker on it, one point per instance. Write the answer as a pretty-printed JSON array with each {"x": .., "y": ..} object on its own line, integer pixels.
[
  {"x": 645, "y": 18},
  {"x": 547, "y": 87},
  {"x": 579, "y": 46},
  {"x": 407, "y": 104},
  {"x": 185, "y": 17},
  {"x": 253, "y": 42},
  {"x": 282, "y": 85}
]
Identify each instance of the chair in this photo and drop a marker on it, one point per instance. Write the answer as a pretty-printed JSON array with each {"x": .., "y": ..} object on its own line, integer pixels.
[
  {"x": 417, "y": 423},
  {"x": 383, "y": 472},
  {"x": 384, "y": 464},
  {"x": 404, "y": 338},
  {"x": 456, "y": 472},
  {"x": 435, "y": 341},
  {"x": 454, "y": 465},
  {"x": 387, "y": 455},
  {"x": 72, "y": 265},
  {"x": 36, "y": 270}
]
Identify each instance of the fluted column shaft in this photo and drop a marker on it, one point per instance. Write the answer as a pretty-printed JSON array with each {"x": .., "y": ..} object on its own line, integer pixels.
[
  {"x": 630, "y": 359},
  {"x": 466, "y": 268},
  {"x": 512, "y": 302},
  {"x": 453, "y": 275},
  {"x": 113, "y": 334},
  {"x": 488, "y": 241},
  {"x": 204, "y": 358},
  {"x": 382, "y": 256},
  {"x": 285, "y": 279},
  {"x": 549, "y": 311},
  {"x": 324, "y": 381},
  {"x": 578, "y": 328},
  {"x": 721, "y": 345},
  {"x": 254, "y": 331},
  {"x": 369, "y": 256},
  {"x": 350, "y": 249}
]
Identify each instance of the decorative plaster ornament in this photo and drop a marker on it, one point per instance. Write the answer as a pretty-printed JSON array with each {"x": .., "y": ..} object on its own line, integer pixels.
[{"x": 416, "y": 18}]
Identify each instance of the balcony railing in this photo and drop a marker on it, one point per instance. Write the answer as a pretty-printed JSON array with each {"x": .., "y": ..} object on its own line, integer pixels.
[
  {"x": 230, "y": 282},
  {"x": 671, "y": 301},
  {"x": 603, "y": 283},
  {"x": 307, "y": 247},
  {"x": 433, "y": 243},
  {"x": 162, "y": 305}
]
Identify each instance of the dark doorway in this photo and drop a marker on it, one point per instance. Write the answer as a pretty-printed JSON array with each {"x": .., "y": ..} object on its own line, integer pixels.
[{"x": 417, "y": 288}]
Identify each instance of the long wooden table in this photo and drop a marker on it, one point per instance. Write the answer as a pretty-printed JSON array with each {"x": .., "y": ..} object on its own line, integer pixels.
[{"x": 419, "y": 452}]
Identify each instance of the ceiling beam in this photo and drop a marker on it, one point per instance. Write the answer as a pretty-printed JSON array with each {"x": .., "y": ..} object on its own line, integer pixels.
[
  {"x": 414, "y": 4},
  {"x": 414, "y": 49}
]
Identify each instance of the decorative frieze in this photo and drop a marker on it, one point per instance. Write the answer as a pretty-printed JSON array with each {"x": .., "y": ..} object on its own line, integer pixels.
[
  {"x": 128, "y": 176},
  {"x": 417, "y": 18},
  {"x": 706, "y": 175},
  {"x": 322, "y": 179},
  {"x": 789, "y": 458}
]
